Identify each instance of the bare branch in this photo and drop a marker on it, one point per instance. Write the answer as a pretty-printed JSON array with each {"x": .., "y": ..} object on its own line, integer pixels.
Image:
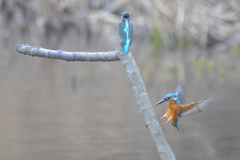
[
  {"x": 145, "y": 106},
  {"x": 134, "y": 77},
  {"x": 67, "y": 56}
]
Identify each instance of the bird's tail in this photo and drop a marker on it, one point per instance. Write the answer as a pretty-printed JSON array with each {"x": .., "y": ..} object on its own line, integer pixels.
[
  {"x": 175, "y": 124},
  {"x": 125, "y": 49}
]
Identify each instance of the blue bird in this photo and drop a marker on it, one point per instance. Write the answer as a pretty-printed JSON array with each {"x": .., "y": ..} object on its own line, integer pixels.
[
  {"x": 125, "y": 30},
  {"x": 177, "y": 109}
]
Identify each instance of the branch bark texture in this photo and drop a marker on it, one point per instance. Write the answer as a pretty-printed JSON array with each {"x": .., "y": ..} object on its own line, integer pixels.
[
  {"x": 67, "y": 56},
  {"x": 145, "y": 106},
  {"x": 134, "y": 77}
]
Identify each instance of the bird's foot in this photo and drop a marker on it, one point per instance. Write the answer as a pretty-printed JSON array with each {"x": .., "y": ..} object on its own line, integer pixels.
[
  {"x": 166, "y": 122},
  {"x": 161, "y": 118}
]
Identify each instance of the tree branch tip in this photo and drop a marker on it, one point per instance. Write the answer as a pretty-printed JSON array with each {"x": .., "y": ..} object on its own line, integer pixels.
[
  {"x": 22, "y": 45},
  {"x": 18, "y": 45}
]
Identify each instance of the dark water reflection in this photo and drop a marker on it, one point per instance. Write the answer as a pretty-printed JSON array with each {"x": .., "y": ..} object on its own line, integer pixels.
[{"x": 58, "y": 110}]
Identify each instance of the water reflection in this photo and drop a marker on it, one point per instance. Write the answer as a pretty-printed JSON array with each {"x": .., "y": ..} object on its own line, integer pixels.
[{"x": 53, "y": 109}]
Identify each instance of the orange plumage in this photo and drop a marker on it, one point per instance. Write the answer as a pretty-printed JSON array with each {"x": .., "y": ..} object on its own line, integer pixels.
[{"x": 176, "y": 109}]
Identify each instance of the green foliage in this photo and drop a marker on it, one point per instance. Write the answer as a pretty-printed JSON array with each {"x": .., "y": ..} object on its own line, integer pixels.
[
  {"x": 236, "y": 50},
  {"x": 146, "y": 72},
  {"x": 210, "y": 65},
  {"x": 183, "y": 42},
  {"x": 199, "y": 64},
  {"x": 205, "y": 68},
  {"x": 229, "y": 67},
  {"x": 174, "y": 69},
  {"x": 158, "y": 43},
  {"x": 221, "y": 73}
]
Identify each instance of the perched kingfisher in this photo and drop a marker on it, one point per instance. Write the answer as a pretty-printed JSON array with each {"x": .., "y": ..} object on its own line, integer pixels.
[
  {"x": 125, "y": 30},
  {"x": 177, "y": 109}
]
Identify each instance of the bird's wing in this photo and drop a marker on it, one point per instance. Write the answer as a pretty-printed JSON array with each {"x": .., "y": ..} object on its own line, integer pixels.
[
  {"x": 194, "y": 108},
  {"x": 122, "y": 33},
  {"x": 131, "y": 31},
  {"x": 180, "y": 95}
]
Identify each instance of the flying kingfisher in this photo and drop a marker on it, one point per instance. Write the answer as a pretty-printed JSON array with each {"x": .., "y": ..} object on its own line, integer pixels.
[
  {"x": 177, "y": 109},
  {"x": 125, "y": 30}
]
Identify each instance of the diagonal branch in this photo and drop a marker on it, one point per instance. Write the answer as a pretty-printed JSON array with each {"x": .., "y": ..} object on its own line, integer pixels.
[
  {"x": 134, "y": 77},
  {"x": 67, "y": 56},
  {"x": 145, "y": 106}
]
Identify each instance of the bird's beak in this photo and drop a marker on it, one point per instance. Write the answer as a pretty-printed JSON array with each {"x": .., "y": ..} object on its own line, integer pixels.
[
  {"x": 163, "y": 100},
  {"x": 121, "y": 16}
]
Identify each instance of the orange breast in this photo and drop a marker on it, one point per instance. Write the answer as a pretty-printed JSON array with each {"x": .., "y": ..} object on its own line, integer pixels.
[{"x": 173, "y": 110}]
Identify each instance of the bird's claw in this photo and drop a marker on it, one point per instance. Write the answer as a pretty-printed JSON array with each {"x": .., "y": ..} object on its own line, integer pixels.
[{"x": 166, "y": 122}]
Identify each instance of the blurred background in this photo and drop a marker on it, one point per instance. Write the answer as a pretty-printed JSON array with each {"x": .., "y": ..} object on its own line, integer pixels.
[{"x": 57, "y": 110}]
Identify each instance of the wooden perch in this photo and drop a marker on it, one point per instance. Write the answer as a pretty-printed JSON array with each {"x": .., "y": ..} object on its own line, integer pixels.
[
  {"x": 134, "y": 77},
  {"x": 67, "y": 56}
]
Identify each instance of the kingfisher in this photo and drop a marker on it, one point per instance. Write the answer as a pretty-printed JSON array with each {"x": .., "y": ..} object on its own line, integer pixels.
[
  {"x": 125, "y": 30},
  {"x": 177, "y": 109}
]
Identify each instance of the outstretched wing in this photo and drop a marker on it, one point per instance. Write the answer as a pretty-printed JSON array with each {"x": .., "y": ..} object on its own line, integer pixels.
[
  {"x": 194, "y": 108},
  {"x": 122, "y": 33},
  {"x": 180, "y": 95}
]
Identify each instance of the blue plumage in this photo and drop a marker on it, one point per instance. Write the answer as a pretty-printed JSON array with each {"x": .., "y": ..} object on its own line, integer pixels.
[
  {"x": 176, "y": 109},
  {"x": 180, "y": 95},
  {"x": 176, "y": 124},
  {"x": 167, "y": 98},
  {"x": 177, "y": 97},
  {"x": 125, "y": 30}
]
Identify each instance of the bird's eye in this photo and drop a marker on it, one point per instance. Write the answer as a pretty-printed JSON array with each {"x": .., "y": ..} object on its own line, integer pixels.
[{"x": 169, "y": 97}]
